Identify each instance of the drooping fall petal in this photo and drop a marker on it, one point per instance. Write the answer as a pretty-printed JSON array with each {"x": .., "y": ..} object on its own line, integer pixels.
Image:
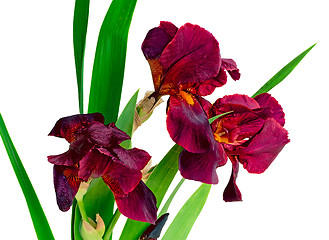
[
  {"x": 132, "y": 158},
  {"x": 202, "y": 166},
  {"x": 258, "y": 153},
  {"x": 232, "y": 192},
  {"x": 230, "y": 66},
  {"x": 139, "y": 205},
  {"x": 188, "y": 124},
  {"x": 66, "y": 184}
]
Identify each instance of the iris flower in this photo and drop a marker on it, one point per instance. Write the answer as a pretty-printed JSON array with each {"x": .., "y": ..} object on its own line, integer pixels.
[
  {"x": 185, "y": 63},
  {"x": 251, "y": 134},
  {"x": 95, "y": 152}
]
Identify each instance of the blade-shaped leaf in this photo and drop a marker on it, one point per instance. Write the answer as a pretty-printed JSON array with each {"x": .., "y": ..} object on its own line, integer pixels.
[
  {"x": 109, "y": 62},
  {"x": 38, "y": 217},
  {"x": 184, "y": 220},
  {"x": 80, "y": 23},
  {"x": 126, "y": 119},
  {"x": 159, "y": 182},
  {"x": 283, "y": 73}
]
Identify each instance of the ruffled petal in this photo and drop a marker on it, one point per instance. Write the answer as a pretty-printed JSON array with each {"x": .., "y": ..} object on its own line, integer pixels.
[
  {"x": 69, "y": 158},
  {"x": 258, "y": 153},
  {"x": 188, "y": 124},
  {"x": 191, "y": 56},
  {"x": 93, "y": 164},
  {"x": 68, "y": 127},
  {"x": 237, "y": 99},
  {"x": 106, "y": 136},
  {"x": 170, "y": 28},
  {"x": 139, "y": 205},
  {"x": 230, "y": 66},
  {"x": 66, "y": 185},
  {"x": 266, "y": 100},
  {"x": 132, "y": 158},
  {"x": 232, "y": 192},
  {"x": 202, "y": 166}
]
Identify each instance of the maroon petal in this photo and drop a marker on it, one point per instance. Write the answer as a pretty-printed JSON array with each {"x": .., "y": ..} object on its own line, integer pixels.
[
  {"x": 231, "y": 67},
  {"x": 232, "y": 192},
  {"x": 69, "y": 158},
  {"x": 93, "y": 164},
  {"x": 266, "y": 100},
  {"x": 139, "y": 205},
  {"x": 202, "y": 166},
  {"x": 66, "y": 185},
  {"x": 188, "y": 124},
  {"x": 68, "y": 127},
  {"x": 237, "y": 99},
  {"x": 106, "y": 136},
  {"x": 133, "y": 158},
  {"x": 170, "y": 28},
  {"x": 126, "y": 178},
  {"x": 154, "y": 43},
  {"x": 205, "y": 104},
  {"x": 191, "y": 56},
  {"x": 208, "y": 87},
  {"x": 258, "y": 153}
]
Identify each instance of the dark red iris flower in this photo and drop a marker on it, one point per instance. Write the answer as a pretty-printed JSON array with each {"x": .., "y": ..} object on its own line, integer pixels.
[
  {"x": 95, "y": 152},
  {"x": 252, "y": 134},
  {"x": 185, "y": 63}
]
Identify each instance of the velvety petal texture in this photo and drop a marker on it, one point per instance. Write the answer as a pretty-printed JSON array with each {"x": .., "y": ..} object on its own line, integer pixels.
[
  {"x": 202, "y": 166},
  {"x": 139, "y": 204},
  {"x": 95, "y": 152},
  {"x": 188, "y": 124},
  {"x": 232, "y": 192}
]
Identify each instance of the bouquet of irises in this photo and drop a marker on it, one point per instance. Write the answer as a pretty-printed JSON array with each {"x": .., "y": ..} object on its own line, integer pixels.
[{"x": 101, "y": 176}]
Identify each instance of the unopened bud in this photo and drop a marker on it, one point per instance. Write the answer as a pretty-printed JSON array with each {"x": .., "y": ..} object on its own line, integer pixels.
[
  {"x": 92, "y": 230},
  {"x": 82, "y": 191},
  {"x": 145, "y": 107}
]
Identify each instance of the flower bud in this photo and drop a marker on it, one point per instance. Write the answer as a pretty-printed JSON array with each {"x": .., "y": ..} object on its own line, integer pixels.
[
  {"x": 92, "y": 230},
  {"x": 145, "y": 107}
]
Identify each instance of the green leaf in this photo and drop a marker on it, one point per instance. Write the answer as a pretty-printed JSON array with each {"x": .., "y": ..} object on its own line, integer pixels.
[
  {"x": 283, "y": 73},
  {"x": 80, "y": 23},
  {"x": 38, "y": 217},
  {"x": 184, "y": 220},
  {"x": 171, "y": 197},
  {"x": 109, "y": 62},
  {"x": 159, "y": 182},
  {"x": 126, "y": 119}
]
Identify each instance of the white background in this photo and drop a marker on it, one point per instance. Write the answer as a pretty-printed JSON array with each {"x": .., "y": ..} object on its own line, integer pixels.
[{"x": 38, "y": 86}]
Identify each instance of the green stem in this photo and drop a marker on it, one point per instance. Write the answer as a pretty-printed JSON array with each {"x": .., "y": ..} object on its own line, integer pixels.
[
  {"x": 114, "y": 220},
  {"x": 82, "y": 210}
]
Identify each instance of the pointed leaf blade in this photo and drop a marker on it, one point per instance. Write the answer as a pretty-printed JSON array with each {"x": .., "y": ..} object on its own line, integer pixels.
[
  {"x": 38, "y": 217},
  {"x": 184, "y": 220},
  {"x": 283, "y": 73},
  {"x": 109, "y": 62},
  {"x": 80, "y": 23}
]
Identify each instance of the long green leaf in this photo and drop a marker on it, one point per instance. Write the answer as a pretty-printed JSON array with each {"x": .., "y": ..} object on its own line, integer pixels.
[
  {"x": 126, "y": 119},
  {"x": 109, "y": 62},
  {"x": 80, "y": 23},
  {"x": 159, "y": 182},
  {"x": 38, "y": 217},
  {"x": 283, "y": 73},
  {"x": 184, "y": 220}
]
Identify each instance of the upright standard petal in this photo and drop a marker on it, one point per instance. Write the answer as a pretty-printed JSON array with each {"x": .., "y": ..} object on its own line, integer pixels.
[
  {"x": 139, "y": 205},
  {"x": 188, "y": 124},
  {"x": 266, "y": 100},
  {"x": 202, "y": 166},
  {"x": 68, "y": 127},
  {"x": 258, "y": 153},
  {"x": 192, "y": 56}
]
